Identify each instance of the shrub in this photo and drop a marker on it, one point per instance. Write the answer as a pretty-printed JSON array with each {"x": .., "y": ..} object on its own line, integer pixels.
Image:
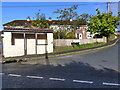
[{"x": 70, "y": 35}]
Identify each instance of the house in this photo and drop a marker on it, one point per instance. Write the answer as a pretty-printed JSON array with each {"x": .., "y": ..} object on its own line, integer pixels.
[
  {"x": 54, "y": 24},
  {"x": 117, "y": 33},
  {"x": 82, "y": 33},
  {"x": 24, "y": 41}
]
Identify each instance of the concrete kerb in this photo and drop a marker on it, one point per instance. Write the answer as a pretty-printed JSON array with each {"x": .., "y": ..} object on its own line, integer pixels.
[{"x": 58, "y": 55}]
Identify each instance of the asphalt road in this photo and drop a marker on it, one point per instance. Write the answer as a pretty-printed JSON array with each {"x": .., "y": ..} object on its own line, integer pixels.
[{"x": 94, "y": 69}]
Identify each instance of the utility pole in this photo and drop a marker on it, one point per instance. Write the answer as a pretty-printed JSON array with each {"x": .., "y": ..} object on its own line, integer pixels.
[
  {"x": 108, "y": 7},
  {"x": 119, "y": 14}
]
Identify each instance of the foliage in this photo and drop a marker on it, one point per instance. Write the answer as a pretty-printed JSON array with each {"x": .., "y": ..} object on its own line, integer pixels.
[
  {"x": 103, "y": 23},
  {"x": 40, "y": 21},
  {"x": 97, "y": 36},
  {"x": 81, "y": 20},
  {"x": 70, "y": 35},
  {"x": 67, "y": 13},
  {"x": 82, "y": 46},
  {"x": 112, "y": 36},
  {"x": 59, "y": 34}
]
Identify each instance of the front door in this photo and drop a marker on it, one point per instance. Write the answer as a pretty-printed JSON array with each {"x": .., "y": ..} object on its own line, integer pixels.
[{"x": 80, "y": 36}]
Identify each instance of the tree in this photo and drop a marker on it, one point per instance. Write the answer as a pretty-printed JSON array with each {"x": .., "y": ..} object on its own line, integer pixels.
[
  {"x": 40, "y": 21},
  {"x": 67, "y": 13},
  {"x": 81, "y": 20},
  {"x": 103, "y": 23},
  {"x": 59, "y": 34}
]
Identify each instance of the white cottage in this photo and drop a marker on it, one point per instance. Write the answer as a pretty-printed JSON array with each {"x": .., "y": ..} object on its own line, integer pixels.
[{"x": 21, "y": 41}]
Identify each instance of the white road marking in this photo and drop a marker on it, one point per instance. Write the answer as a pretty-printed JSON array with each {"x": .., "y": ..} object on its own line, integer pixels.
[
  {"x": 116, "y": 84},
  {"x": 80, "y": 81},
  {"x": 57, "y": 79},
  {"x": 14, "y": 75},
  {"x": 35, "y": 77},
  {"x": 1, "y": 73}
]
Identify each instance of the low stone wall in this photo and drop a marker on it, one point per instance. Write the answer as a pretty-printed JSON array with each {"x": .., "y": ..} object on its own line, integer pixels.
[{"x": 67, "y": 42}]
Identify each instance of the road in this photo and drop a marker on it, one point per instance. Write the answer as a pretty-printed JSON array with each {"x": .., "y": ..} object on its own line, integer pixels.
[{"x": 94, "y": 69}]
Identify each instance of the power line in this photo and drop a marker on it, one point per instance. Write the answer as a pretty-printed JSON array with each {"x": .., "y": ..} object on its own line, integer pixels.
[{"x": 57, "y": 5}]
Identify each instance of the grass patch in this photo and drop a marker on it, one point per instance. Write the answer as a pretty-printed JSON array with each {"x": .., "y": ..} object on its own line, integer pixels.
[{"x": 82, "y": 46}]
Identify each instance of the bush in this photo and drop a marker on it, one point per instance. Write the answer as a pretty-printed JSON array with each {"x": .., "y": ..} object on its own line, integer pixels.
[
  {"x": 70, "y": 35},
  {"x": 61, "y": 34}
]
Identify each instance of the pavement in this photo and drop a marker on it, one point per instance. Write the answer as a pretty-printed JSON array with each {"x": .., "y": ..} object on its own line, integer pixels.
[{"x": 0, "y": 55}]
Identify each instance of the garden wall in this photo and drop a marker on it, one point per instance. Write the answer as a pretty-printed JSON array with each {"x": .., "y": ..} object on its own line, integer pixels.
[{"x": 67, "y": 42}]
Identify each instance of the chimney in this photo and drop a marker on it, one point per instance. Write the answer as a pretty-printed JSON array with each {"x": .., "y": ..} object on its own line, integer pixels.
[
  {"x": 28, "y": 19},
  {"x": 50, "y": 19}
]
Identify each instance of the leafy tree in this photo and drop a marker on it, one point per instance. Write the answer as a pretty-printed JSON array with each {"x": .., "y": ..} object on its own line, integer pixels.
[
  {"x": 103, "y": 23},
  {"x": 85, "y": 17},
  {"x": 67, "y": 13},
  {"x": 81, "y": 20},
  {"x": 40, "y": 21}
]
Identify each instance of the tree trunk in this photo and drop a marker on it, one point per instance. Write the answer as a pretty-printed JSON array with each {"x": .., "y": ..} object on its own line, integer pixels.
[{"x": 108, "y": 38}]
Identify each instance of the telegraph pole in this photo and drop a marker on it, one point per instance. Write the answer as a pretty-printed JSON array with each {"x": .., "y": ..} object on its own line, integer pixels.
[
  {"x": 108, "y": 7},
  {"x": 119, "y": 14}
]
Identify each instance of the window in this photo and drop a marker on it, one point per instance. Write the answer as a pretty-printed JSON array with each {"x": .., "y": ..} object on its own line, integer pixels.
[
  {"x": 30, "y": 36},
  {"x": 16, "y": 36},
  {"x": 41, "y": 36}
]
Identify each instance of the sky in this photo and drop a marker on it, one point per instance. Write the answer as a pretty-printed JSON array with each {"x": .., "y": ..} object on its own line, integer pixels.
[
  {"x": 59, "y": 0},
  {"x": 21, "y": 13}
]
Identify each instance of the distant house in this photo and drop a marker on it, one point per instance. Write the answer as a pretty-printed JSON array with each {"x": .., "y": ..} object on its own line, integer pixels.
[
  {"x": 54, "y": 24},
  {"x": 117, "y": 33},
  {"x": 82, "y": 33},
  {"x": 21, "y": 41}
]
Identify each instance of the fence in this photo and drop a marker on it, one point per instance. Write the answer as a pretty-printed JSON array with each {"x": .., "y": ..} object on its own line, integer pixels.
[{"x": 67, "y": 42}]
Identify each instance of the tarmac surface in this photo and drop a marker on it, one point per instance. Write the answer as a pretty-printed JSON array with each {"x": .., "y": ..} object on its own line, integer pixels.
[{"x": 94, "y": 69}]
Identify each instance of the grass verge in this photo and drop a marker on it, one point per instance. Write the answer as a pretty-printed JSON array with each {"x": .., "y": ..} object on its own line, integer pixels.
[{"x": 75, "y": 47}]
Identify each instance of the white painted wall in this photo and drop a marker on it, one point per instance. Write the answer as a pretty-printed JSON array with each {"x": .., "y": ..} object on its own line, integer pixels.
[
  {"x": 67, "y": 42},
  {"x": 50, "y": 42},
  {"x": 31, "y": 46},
  {"x": 10, "y": 50},
  {"x": 57, "y": 27}
]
